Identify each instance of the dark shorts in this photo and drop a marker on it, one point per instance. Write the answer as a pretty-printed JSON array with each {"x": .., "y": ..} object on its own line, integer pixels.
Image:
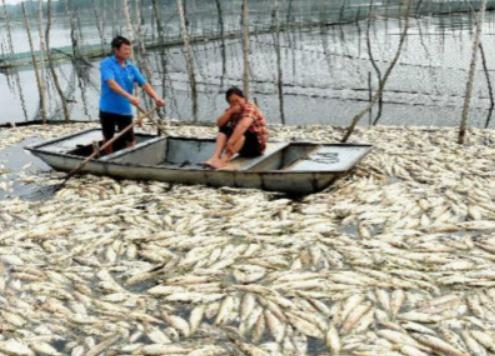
[
  {"x": 112, "y": 122},
  {"x": 251, "y": 148}
]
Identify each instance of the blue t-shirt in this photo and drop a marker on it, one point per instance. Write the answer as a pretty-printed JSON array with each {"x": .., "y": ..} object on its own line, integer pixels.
[{"x": 126, "y": 76}]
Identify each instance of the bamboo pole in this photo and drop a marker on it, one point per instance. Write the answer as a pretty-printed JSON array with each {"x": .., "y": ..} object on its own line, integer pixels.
[
  {"x": 472, "y": 71},
  {"x": 143, "y": 60},
  {"x": 36, "y": 67},
  {"x": 69, "y": 13},
  {"x": 221, "y": 27},
  {"x": 162, "y": 53},
  {"x": 100, "y": 26},
  {"x": 161, "y": 40},
  {"x": 280, "y": 83},
  {"x": 9, "y": 28},
  {"x": 189, "y": 56},
  {"x": 107, "y": 144},
  {"x": 245, "y": 47},
  {"x": 128, "y": 21},
  {"x": 382, "y": 83},
  {"x": 141, "y": 42},
  {"x": 489, "y": 85},
  {"x": 114, "y": 17},
  {"x": 373, "y": 62},
  {"x": 51, "y": 66},
  {"x": 42, "y": 42},
  {"x": 12, "y": 53}
]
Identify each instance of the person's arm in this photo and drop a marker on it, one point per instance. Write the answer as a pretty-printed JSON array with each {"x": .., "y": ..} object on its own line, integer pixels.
[
  {"x": 147, "y": 88},
  {"x": 108, "y": 76},
  {"x": 225, "y": 118},
  {"x": 119, "y": 90},
  {"x": 227, "y": 115},
  {"x": 239, "y": 131}
]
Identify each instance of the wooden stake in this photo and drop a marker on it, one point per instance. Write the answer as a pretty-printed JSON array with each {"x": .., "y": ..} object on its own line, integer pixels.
[
  {"x": 382, "y": 83},
  {"x": 472, "y": 71},
  {"x": 280, "y": 83},
  {"x": 188, "y": 53},
  {"x": 39, "y": 80},
  {"x": 245, "y": 47},
  {"x": 56, "y": 82}
]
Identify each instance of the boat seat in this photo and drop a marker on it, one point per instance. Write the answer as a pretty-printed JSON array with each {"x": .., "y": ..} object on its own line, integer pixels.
[{"x": 239, "y": 163}]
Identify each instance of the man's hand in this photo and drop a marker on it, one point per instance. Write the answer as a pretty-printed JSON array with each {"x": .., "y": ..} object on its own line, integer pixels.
[
  {"x": 159, "y": 102},
  {"x": 134, "y": 100}
]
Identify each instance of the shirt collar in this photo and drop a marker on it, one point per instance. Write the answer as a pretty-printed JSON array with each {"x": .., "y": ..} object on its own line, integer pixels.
[{"x": 127, "y": 62}]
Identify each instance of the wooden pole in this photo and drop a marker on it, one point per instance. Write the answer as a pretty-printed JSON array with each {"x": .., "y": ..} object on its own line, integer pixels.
[
  {"x": 278, "y": 52},
  {"x": 128, "y": 21},
  {"x": 382, "y": 83},
  {"x": 39, "y": 80},
  {"x": 373, "y": 63},
  {"x": 51, "y": 66},
  {"x": 472, "y": 71},
  {"x": 100, "y": 26},
  {"x": 489, "y": 85},
  {"x": 188, "y": 53},
  {"x": 161, "y": 41},
  {"x": 105, "y": 146},
  {"x": 221, "y": 27},
  {"x": 42, "y": 42},
  {"x": 69, "y": 13},
  {"x": 9, "y": 28},
  {"x": 12, "y": 53},
  {"x": 245, "y": 47}
]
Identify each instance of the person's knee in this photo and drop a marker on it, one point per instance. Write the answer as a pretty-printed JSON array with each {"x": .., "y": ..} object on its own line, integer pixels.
[{"x": 225, "y": 130}]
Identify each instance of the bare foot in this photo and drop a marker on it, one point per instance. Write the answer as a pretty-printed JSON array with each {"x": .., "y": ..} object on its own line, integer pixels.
[
  {"x": 220, "y": 163},
  {"x": 213, "y": 163},
  {"x": 209, "y": 161}
]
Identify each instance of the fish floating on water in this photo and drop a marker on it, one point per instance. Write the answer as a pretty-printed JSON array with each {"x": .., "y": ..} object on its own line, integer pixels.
[{"x": 395, "y": 259}]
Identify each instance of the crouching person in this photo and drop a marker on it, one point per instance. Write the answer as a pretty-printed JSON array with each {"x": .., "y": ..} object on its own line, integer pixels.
[{"x": 242, "y": 130}]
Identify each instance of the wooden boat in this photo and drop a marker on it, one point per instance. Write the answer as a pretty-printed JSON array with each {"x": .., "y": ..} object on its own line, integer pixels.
[{"x": 294, "y": 168}]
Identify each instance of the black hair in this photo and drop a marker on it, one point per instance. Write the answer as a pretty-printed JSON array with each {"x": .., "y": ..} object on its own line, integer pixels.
[
  {"x": 118, "y": 41},
  {"x": 234, "y": 91}
]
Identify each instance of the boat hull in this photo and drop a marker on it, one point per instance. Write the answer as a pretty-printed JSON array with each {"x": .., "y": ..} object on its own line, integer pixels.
[
  {"x": 297, "y": 183},
  {"x": 295, "y": 168}
]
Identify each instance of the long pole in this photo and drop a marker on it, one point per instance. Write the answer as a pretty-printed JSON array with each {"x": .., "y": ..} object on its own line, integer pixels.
[
  {"x": 245, "y": 47},
  {"x": 278, "y": 52},
  {"x": 189, "y": 56},
  {"x": 39, "y": 80},
  {"x": 472, "y": 71},
  {"x": 382, "y": 83},
  {"x": 51, "y": 66},
  {"x": 105, "y": 146},
  {"x": 12, "y": 53}
]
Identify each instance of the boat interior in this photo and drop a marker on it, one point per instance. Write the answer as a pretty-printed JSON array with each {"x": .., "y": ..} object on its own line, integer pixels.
[{"x": 189, "y": 153}]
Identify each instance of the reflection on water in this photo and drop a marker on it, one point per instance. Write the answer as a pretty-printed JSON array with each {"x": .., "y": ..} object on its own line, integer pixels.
[
  {"x": 327, "y": 72},
  {"x": 22, "y": 168}
]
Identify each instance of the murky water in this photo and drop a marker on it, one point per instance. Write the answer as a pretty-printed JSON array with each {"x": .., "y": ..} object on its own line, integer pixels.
[
  {"x": 326, "y": 71},
  {"x": 21, "y": 171}
]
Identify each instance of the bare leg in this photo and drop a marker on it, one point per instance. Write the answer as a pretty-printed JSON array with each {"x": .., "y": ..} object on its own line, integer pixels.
[
  {"x": 233, "y": 148},
  {"x": 220, "y": 146}
]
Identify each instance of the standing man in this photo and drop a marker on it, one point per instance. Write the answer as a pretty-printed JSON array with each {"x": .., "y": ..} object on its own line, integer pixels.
[{"x": 118, "y": 79}]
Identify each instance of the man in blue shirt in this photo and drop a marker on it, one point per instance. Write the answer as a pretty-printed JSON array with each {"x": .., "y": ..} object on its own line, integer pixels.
[{"x": 118, "y": 79}]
